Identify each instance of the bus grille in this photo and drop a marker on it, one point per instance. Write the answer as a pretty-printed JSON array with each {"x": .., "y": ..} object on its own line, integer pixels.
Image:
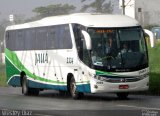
[{"x": 113, "y": 79}]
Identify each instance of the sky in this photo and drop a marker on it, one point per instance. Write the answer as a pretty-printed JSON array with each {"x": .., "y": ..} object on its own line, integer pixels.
[{"x": 25, "y": 7}]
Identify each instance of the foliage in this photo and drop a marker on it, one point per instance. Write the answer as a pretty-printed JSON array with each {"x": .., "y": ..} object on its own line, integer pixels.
[
  {"x": 19, "y": 18},
  {"x": 99, "y": 6},
  {"x": 51, "y": 10},
  {"x": 2, "y": 30},
  {"x": 149, "y": 27},
  {"x": 154, "y": 64},
  {"x": 3, "y": 24},
  {"x": 2, "y": 76}
]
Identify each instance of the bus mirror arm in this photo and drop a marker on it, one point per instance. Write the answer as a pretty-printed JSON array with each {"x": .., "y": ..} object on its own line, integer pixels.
[
  {"x": 151, "y": 36},
  {"x": 87, "y": 40}
]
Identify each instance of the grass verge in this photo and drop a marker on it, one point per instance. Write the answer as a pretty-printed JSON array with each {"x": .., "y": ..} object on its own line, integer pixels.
[
  {"x": 2, "y": 76},
  {"x": 154, "y": 64}
]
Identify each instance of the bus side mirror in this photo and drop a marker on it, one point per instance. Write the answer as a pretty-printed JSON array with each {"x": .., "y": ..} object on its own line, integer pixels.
[
  {"x": 151, "y": 36},
  {"x": 87, "y": 40},
  {"x": 155, "y": 34}
]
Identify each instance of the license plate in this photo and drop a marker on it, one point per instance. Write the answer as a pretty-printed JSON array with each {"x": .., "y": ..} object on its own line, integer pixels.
[{"x": 123, "y": 86}]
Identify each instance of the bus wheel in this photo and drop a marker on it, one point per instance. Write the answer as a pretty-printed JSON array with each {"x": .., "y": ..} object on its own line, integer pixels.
[
  {"x": 73, "y": 92},
  {"x": 26, "y": 90},
  {"x": 123, "y": 95}
]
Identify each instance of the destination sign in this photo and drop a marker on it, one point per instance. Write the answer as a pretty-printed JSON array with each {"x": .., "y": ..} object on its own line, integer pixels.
[{"x": 104, "y": 31}]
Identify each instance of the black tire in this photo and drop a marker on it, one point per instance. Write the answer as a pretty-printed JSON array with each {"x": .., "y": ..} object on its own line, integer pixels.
[
  {"x": 123, "y": 95},
  {"x": 72, "y": 89},
  {"x": 27, "y": 90}
]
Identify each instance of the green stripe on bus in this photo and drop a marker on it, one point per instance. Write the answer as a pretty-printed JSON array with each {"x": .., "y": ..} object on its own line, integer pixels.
[
  {"x": 105, "y": 73},
  {"x": 14, "y": 66},
  {"x": 14, "y": 63},
  {"x": 10, "y": 69}
]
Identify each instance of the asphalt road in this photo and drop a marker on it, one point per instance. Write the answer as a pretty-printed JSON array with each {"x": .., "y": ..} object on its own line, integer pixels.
[{"x": 50, "y": 103}]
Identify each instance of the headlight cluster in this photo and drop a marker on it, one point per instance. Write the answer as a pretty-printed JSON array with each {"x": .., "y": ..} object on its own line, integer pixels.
[
  {"x": 143, "y": 76},
  {"x": 100, "y": 78}
]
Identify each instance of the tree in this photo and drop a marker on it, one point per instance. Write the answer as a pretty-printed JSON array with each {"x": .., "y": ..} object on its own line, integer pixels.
[
  {"x": 2, "y": 30},
  {"x": 3, "y": 24},
  {"x": 98, "y": 6},
  {"x": 19, "y": 18},
  {"x": 51, "y": 10}
]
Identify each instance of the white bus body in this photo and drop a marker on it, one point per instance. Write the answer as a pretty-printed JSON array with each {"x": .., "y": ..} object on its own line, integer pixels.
[{"x": 54, "y": 53}]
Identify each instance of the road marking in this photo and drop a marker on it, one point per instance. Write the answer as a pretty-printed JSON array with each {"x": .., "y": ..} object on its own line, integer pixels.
[{"x": 144, "y": 108}]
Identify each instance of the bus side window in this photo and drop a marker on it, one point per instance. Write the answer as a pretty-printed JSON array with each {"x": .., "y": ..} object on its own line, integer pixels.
[
  {"x": 51, "y": 39},
  {"x": 64, "y": 37},
  {"x": 41, "y": 35},
  {"x": 29, "y": 39},
  {"x": 7, "y": 39},
  {"x": 12, "y": 40},
  {"x": 80, "y": 43},
  {"x": 77, "y": 35},
  {"x": 20, "y": 40},
  {"x": 67, "y": 43}
]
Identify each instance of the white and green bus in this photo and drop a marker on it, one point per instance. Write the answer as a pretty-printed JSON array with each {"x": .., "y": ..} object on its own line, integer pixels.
[{"x": 70, "y": 53}]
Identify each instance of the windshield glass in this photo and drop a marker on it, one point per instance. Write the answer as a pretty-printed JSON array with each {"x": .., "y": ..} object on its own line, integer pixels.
[{"x": 119, "y": 49}]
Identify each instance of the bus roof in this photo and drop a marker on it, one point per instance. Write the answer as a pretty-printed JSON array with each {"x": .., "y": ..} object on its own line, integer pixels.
[{"x": 86, "y": 19}]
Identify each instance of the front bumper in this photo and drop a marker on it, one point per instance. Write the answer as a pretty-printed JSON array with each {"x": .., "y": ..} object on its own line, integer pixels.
[{"x": 98, "y": 86}]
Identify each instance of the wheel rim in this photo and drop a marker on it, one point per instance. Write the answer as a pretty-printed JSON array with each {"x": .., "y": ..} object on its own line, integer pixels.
[
  {"x": 24, "y": 87},
  {"x": 73, "y": 87}
]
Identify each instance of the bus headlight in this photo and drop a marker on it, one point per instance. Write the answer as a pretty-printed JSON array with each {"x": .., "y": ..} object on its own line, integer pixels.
[
  {"x": 143, "y": 76},
  {"x": 100, "y": 78}
]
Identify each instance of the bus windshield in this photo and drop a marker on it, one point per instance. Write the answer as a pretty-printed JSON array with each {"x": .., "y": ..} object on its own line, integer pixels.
[{"x": 120, "y": 49}]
